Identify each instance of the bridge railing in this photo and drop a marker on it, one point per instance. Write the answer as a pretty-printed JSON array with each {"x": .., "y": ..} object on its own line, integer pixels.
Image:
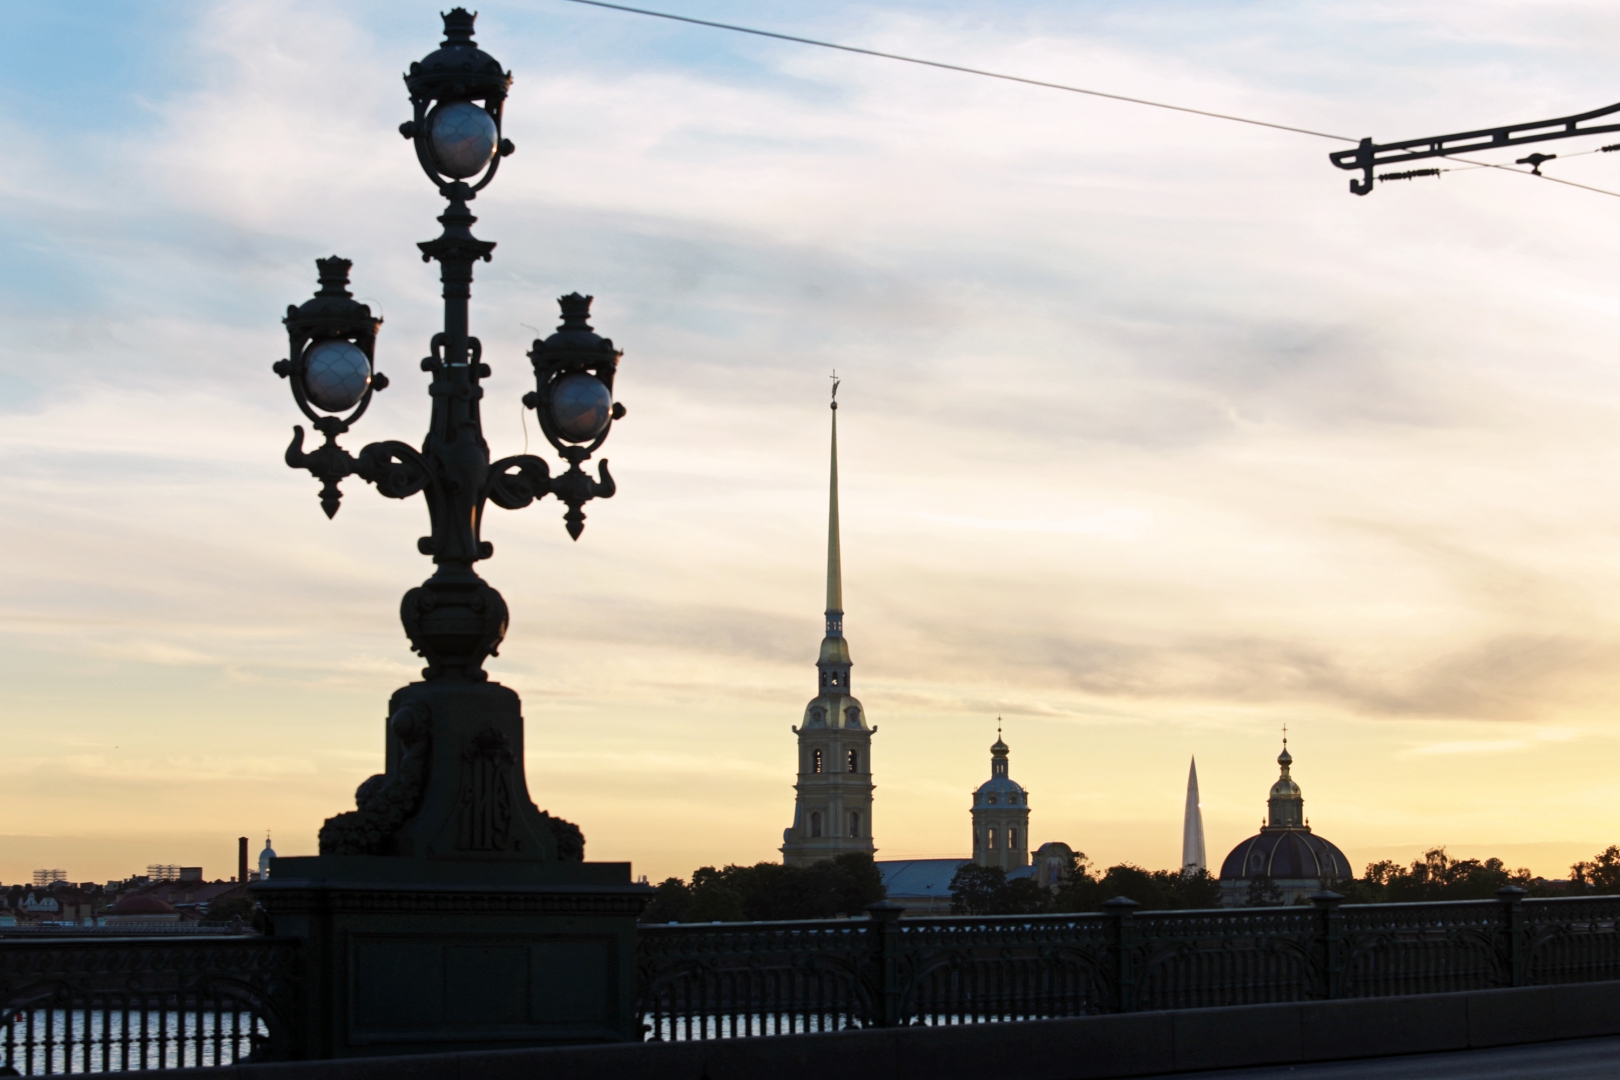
[
  {"x": 100, "y": 1004},
  {"x": 738, "y": 979}
]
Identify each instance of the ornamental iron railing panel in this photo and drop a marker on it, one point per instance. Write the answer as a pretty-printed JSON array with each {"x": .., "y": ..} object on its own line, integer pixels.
[
  {"x": 1395, "y": 949},
  {"x": 739, "y": 979},
  {"x": 1572, "y": 940},
  {"x": 70, "y": 1005},
  {"x": 973, "y": 970},
  {"x": 1254, "y": 956},
  {"x": 728, "y": 980}
]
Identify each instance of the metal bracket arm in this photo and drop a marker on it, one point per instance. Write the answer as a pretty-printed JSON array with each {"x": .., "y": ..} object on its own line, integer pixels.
[{"x": 1369, "y": 155}]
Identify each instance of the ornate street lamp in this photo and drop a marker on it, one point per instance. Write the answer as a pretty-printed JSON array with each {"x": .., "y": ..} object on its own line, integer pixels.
[
  {"x": 454, "y": 620},
  {"x": 450, "y": 824}
]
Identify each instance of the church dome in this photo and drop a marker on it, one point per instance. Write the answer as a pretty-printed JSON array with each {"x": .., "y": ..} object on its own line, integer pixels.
[
  {"x": 1005, "y": 790},
  {"x": 1000, "y": 789},
  {"x": 1286, "y": 854},
  {"x": 1285, "y": 849}
]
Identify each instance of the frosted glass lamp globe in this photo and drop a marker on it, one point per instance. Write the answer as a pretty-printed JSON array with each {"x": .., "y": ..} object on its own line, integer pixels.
[
  {"x": 463, "y": 139},
  {"x": 336, "y": 374},
  {"x": 581, "y": 407}
]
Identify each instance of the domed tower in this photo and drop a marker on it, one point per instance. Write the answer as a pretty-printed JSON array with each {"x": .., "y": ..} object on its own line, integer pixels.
[
  {"x": 832, "y": 813},
  {"x": 264, "y": 858},
  {"x": 1296, "y": 861},
  {"x": 1000, "y": 816}
]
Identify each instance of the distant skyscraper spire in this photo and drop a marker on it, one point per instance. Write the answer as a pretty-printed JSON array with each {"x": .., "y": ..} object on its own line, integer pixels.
[{"x": 1192, "y": 828}]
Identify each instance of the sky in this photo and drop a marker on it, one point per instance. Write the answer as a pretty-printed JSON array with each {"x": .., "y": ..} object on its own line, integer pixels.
[{"x": 1153, "y": 438}]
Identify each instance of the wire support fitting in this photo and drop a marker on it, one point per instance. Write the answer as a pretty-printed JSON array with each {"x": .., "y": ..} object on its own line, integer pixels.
[{"x": 1410, "y": 174}]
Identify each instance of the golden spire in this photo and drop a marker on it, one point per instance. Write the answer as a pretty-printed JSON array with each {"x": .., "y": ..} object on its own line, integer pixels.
[{"x": 835, "y": 573}]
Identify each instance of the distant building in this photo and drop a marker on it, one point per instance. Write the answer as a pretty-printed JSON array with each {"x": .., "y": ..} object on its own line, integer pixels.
[
  {"x": 832, "y": 809},
  {"x": 1000, "y": 822},
  {"x": 264, "y": 858},
  {"x": 1285, "y": 861},
  {"x": 142, "y": 910},
  {"x": 45, "y": 878},
  {"x": 1192, "y": 826},
  {"x": 1052, "y": 863},
  {"x": 922, "y": 886},
  {"x": 1000, "y": 816},
  {"x": 63, "y": 904}
]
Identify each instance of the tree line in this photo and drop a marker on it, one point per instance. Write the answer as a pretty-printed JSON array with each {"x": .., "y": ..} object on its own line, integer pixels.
[
  {"x": 846, "y": 884},
  {"x": 825, "y": 890}
]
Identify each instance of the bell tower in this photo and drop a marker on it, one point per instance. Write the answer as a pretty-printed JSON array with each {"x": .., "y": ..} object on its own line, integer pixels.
[
  {"x": 832, "y": 812},
  {"x": 1000, "y": 815}
]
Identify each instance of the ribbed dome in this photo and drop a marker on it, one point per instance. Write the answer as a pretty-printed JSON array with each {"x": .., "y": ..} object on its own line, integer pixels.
[
  {"x": 1286, "y": 854},
  {"x": 1003, "y": 788}
]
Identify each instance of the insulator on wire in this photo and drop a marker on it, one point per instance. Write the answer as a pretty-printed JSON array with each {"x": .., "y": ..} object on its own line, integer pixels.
[
  {"x": 1609, "y": 149},
  {"x": 1411, "y": 174}
]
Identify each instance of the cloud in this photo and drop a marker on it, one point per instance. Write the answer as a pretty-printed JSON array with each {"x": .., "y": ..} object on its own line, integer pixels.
[{"x": 1149, "y": 429}]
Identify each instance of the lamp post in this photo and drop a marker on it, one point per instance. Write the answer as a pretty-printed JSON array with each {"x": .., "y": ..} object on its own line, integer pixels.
[
  {"x": 446, "y": 910},
  {"x": 454, "y": 619}
]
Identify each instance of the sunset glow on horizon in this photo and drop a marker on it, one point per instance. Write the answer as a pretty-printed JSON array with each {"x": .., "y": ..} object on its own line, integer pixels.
[{"x": 1152, "y": 438}]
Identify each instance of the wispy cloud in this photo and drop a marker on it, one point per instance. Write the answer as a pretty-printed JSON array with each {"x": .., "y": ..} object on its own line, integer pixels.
[{"x": 1151, "y": 432}]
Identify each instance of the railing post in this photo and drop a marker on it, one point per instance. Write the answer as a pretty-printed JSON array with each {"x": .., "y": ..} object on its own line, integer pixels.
[
  {"x": 1330, "y": 942},
  {"x": 886, "y": 988},
  {"x": 1515, "y": 952},
  {"x": 1122, "y": 940}
]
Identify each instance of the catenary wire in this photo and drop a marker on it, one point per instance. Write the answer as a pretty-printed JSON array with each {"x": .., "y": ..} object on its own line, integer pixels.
[
  {"x": 1538, "y": 176},
  {"x": 1071, "y": 89},
  {"x": 958, "y": 67}
]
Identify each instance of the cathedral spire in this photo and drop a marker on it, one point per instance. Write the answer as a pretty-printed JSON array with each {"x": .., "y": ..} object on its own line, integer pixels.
[
  {"x": 832, "y": 812},
  {"x": 834, "y": 662},
  {"x": 835, "y": 570}
]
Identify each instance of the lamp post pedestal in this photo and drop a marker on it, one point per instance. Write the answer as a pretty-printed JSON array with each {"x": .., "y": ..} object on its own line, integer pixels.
[
  {"x": 447, "y": 911},
  {"x": 408, "y": 955}
]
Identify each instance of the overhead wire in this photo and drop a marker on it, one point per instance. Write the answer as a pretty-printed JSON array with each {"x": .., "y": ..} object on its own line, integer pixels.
[
  {"x": 735, "y": 28},
  {"x": 958, "y": 67}
]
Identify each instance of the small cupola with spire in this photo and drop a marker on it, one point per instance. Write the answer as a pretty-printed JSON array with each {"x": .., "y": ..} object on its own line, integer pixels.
[{"x": 1287, "y": 802}]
